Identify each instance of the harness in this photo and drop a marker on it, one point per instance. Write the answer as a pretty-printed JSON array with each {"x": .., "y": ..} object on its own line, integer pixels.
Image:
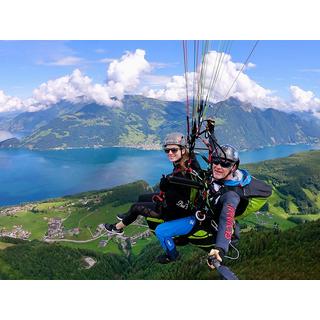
[{"x": 253, "y": 196}]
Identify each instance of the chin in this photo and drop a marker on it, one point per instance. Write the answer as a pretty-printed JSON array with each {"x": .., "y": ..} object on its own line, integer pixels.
[{"x": 217, "y": 176}]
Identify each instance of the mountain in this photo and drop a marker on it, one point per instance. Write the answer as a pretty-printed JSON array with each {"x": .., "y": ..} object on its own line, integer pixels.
[
  {"x": 9, "y": 143},
  {"x": 144, "y": 122},
  {"x": 251, "y": 127},
  {"x": 26, "y": 122},
  {"x": 140, "y": 122}
]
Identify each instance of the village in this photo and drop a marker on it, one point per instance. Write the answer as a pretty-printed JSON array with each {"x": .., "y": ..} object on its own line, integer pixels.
[
  {"x": 17, "y": 232},
  {"x": 12, "y": 211},
  {"x": 56, "y": 231}
]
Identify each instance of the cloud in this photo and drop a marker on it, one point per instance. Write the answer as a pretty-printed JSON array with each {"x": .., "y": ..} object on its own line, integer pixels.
[
  {"x": 216, "y": 83},
  {"x": 74, "y": 88},
  {"x": 304, "y": 101},
  {"x": 65, "y": 61},
  {"x": 100, "y": 51},
  {"x": 106, "y": 60},
  {"x": 124, "y": 76},
  {"x": 128, "y": 70},
  {"x": 10, "y": 104},
  {"x": 220, "y": 85},
  {"x": 250, "y": 65}
]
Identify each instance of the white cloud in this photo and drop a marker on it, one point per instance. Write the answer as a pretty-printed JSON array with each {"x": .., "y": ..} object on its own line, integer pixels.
[
  {"x": 74, "y": 88},
  {"x": 10, "y": 104},
  {"x": 67, "y": 61},
  {"x": 302, "y": 100},
  {"x": 128, "y": 70},
  {"x": 124, "y": 76},
  {"x": 106, "y": 60},
  {"x": 250, "y": 65},
  {"x": 63, "y": 61},
  {"x": 245, "y": 89}
]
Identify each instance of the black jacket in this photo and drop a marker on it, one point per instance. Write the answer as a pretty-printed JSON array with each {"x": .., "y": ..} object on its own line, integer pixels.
[{"x": 178, "y": 202}]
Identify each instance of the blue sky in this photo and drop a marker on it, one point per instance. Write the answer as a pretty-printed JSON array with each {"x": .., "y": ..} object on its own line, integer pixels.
[{"x": 283, "y": 74}]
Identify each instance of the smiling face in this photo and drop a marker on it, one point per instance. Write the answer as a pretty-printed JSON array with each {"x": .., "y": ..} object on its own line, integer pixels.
[
  {"x": 174, "y": 152},
  {"x": 224, "y": 171}
]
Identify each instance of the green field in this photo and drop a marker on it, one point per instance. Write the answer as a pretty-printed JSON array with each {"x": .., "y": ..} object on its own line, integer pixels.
[{"x": 111, "y": 247}]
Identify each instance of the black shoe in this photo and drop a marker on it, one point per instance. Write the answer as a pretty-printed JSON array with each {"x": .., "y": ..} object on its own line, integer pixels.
[
  {"x": 121, "y": 216},
  {"x": 111, "y": 228},
  {"x": 165, "y": 259}
]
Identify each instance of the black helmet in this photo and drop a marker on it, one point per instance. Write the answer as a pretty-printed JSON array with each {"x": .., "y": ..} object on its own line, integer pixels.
[
  {"x": 176, "y": 138},
  {"x": 228, "y": 152}
]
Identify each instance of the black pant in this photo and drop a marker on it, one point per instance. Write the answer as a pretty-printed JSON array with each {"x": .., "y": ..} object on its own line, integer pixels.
[{"x": 144, "y": 207}]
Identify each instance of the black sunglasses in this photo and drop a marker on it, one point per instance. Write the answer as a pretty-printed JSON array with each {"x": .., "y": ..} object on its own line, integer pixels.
[
  {"x": 223, "y": 164},
  {"x": 173, "y": 150}
]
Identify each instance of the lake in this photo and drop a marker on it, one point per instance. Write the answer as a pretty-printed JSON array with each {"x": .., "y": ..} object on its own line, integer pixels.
[{"x": 35, "y": 175}]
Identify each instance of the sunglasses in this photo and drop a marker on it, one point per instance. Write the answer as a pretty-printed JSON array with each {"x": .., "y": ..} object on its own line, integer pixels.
[
  {"x": 173, "y": 150},
  {"x": 223, "y": 164}
]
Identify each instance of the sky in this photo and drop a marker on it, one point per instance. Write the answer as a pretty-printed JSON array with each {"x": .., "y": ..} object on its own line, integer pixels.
[{"x": 36, "y": 74}]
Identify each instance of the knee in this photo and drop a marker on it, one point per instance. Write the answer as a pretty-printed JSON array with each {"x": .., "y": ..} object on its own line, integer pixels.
[{"x": 159, "y": 231}]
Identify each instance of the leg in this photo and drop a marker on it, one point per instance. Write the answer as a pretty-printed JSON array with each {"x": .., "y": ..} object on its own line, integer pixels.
[
  {"x": 166, "y": 231},
  {"x": 146, "y": 209}
]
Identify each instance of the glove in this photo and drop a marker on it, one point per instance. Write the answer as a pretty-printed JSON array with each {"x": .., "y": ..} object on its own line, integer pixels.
[{"x": 164, "y": 183}]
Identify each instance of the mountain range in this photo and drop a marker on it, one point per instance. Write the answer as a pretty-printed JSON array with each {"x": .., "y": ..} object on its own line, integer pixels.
[{"x": 144, "y": 122}]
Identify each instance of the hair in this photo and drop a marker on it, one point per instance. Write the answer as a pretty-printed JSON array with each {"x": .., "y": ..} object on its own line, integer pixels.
[{"x": 183, "y": 162}]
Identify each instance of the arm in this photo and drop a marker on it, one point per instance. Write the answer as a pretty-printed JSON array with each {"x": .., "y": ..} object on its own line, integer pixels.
[{"x": 229, "y": 202}]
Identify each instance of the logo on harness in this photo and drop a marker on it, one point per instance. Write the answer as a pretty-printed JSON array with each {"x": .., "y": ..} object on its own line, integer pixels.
[{"x": 182, "y": 204}]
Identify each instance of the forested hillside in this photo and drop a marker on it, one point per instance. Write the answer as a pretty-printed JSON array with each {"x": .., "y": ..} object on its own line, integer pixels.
[{"x": 292, "y": 254}]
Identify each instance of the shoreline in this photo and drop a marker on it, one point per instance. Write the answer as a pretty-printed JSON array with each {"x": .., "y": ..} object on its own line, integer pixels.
[{"x": 154, "y": 147}]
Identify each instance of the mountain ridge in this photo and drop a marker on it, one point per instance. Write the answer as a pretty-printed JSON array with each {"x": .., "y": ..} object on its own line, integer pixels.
[{"x": 144, "y": 122}]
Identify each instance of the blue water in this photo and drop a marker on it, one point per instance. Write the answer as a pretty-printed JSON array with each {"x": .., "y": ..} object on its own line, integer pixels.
[{"x": 36, "y": 175}]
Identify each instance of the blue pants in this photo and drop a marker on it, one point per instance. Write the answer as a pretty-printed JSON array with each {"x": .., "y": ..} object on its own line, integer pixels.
[{"x": 167, "y": 230}]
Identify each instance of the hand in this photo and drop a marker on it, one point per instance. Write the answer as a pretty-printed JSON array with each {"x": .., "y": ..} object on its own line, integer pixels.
[
  {"x": 164, "y": 183},
  {"x": 214, "y": 253}
]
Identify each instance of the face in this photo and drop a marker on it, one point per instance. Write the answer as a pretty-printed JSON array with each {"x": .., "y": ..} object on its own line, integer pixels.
[
  {"x": 222, "y": 172},
  {"x": 174, "y": 152}
]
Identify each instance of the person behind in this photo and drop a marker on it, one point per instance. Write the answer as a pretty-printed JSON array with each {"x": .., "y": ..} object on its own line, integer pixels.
[
  {"x": 173, "y": 200},
  {"x": 224, "y": 202}
]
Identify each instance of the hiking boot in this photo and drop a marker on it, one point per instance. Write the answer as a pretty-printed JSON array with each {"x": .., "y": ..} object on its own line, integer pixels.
[
  {"x": 111, "y": 228},
  {"x": 121, "y": 216}
]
